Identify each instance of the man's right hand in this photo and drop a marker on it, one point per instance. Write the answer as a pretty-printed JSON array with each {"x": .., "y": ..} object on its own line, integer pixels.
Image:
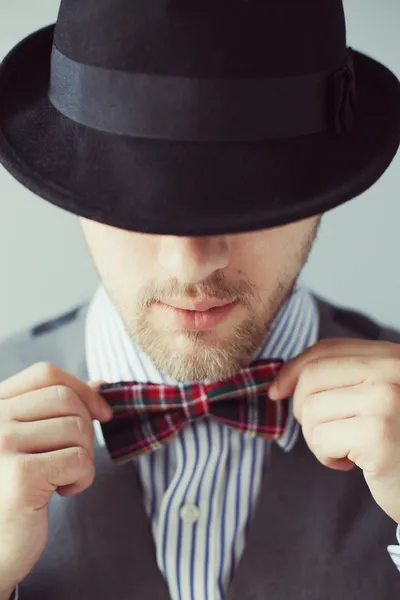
[{"x": 46, "y": 446}]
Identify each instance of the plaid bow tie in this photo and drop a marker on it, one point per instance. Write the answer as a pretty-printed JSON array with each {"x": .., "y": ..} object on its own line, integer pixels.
[{"x": 146, "y": 415}]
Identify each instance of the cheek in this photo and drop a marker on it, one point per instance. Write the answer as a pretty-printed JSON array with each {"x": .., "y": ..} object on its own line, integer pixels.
[
  {"x": 123, "y": 264},
  {"x": 261, "y": 262},
  {"x": 124, "y": 260},
  {"x": 129, "y": 269}
]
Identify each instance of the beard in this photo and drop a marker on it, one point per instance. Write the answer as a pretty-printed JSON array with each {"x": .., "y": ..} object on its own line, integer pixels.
[{"x": 211, "y": 355}]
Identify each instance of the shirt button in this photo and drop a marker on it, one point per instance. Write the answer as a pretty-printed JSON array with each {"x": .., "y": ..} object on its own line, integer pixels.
[{"x": 189, "y": 513}]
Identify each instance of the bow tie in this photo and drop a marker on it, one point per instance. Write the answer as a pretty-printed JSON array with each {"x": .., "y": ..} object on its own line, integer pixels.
[{"x": 146, "y": 415}]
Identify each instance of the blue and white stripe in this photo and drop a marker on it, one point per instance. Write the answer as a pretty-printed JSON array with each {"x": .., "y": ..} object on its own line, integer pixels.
[{"x": 212, "y": 469}]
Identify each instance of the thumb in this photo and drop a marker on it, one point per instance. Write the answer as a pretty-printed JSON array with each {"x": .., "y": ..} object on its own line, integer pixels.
[{"x": 94, "y": 385}]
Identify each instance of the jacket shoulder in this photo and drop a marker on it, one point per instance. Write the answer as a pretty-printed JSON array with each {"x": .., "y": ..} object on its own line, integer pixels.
[
  {"x": 59, "y": 340},
  {"x": 339, "y": 321}
]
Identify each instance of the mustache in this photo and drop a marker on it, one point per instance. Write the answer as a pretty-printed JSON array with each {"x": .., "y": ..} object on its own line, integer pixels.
[{"x": 216, "y": 288}]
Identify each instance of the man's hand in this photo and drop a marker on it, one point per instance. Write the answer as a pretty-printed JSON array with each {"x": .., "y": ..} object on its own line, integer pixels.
[
  {"x": 46, "y": 446},
  {"x": 346, "y": 395}
]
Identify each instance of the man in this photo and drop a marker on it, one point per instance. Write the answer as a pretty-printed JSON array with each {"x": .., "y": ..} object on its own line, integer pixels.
[{"x": 234, "y": 435}]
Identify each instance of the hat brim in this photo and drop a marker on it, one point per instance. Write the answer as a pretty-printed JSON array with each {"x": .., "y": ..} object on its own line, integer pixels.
[{"x": 181, "y": 188}]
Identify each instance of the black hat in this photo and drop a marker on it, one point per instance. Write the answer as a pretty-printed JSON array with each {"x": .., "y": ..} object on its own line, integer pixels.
[{"x": 196, "y": 117}]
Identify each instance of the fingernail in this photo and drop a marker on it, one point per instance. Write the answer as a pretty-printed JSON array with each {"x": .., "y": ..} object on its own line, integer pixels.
[{"x": 94, "y": 385}]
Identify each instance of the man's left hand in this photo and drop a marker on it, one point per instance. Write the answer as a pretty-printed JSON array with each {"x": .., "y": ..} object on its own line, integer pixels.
[{"x": 346, "y": 395}]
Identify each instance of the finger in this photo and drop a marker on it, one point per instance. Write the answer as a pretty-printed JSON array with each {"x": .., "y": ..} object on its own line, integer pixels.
[
  {"x": 48, "y": 403},
  {"x": 359, "y": 439},
  {"x": 340, "y": 348},
  {"x": 344, "y": 372},
  {"x": 378, "y": 400},
  {"x": 331, "y": 442},
  {"x": 331, "y": 405},
  {"x": 47, "y": 435},
  {"x": 42, "y": 375},
  {"x": 49, "y": 471}
]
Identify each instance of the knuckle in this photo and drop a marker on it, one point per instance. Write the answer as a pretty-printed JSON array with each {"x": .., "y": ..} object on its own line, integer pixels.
[
  {"x": 7, "y": 440},
  {"x": 86, "y": 478},
  {"x": 392, "y": 363},
  {"x": 305, "y": 376},
  {"x": 392, "y": 391},
  {"x": 310, "y": 367},
  {"x": 387, "y": 396},
  {"x": 65, "y": 396},
  {"x": 62, "y": 392},
  {"x": 313, "y": 364},
  {"x": 70, "y": 402},
  {"x": 83, "y": 426},
  {"x": 24, "y": 464},
  {"x": 310, "y": 410},
  {"x": 378, "y": 430},
  {"x": 83, "y": 458},
  {"x": 45, "y": 370},
  {"x": 315, "y": 438},
  {"x": 90, "y": 474}
]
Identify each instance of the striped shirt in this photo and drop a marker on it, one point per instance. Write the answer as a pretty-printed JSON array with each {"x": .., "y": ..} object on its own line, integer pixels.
[{"x": 190, "y": 483}]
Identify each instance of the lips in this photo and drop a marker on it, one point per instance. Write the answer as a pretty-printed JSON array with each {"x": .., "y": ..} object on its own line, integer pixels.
[
  {"x": 196, "y": 320},
  {"x": 200, "y": 306}
]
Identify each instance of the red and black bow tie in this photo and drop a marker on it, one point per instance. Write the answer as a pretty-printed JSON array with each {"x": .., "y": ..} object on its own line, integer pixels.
[{"x": 146, "y": 415}]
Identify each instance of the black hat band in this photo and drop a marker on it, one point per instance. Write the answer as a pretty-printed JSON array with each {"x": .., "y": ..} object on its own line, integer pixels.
[{"x": 200, "y": 110}]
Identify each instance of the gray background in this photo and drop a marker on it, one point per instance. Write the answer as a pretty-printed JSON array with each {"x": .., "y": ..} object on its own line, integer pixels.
[{"x": 44, "y": 264}]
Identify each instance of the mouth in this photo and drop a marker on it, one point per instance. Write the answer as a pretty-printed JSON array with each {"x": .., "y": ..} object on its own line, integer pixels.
[
  {"x": 200, "y": 306},
  {"x": 205, "y": 315}
]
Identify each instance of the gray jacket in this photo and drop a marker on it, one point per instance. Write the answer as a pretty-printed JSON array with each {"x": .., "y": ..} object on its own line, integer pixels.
[{"x": 316, "y": 533}]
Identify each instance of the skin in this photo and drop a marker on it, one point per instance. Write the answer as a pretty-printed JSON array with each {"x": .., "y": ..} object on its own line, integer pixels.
[{"x": 259, "y": 269}]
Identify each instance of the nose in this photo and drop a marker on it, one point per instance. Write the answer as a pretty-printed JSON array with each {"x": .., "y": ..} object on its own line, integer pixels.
[{"x": 193, "y": 259}]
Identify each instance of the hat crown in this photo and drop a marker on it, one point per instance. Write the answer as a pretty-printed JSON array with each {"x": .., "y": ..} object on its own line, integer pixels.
[{"x": 201, "y": 38}]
